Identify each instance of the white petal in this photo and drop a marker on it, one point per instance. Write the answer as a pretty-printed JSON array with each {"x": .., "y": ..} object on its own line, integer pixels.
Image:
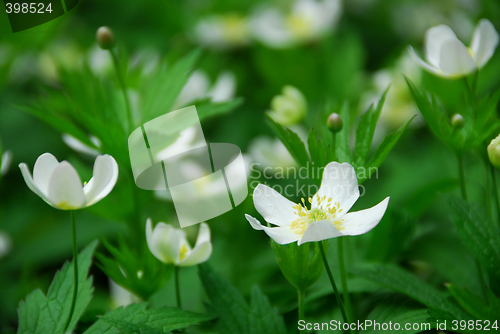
[
  {"x": 360, "y": 222},
  {"x": 484, "y": 42},
  {"x": 201, "y": 251},
  {"x": 6, "y": 161},
  {"x": 30, "y": 183},
  {"x": 455, "y": 59},
  {"x": 65, "y": 188},
  {"x": 275, "y": 208},
  {"x": 430, "y": 68},
  {"x": 103, "y": 180},
  {"x": 434, "y": 39},
  {"x": 224, "y": 87},
  {"x": 79, "y": 146},
  {"x": 320, "y": 230},
  {"x": 281, "y": 235},
  {"x": 340, "y": 184},
  {"x": 164, "y": 243},
  {"x": 42, "y": 171}
]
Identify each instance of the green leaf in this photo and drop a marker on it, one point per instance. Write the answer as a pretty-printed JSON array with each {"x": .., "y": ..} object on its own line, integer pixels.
[
  {"x": 385, "y": 148},
  {"x": 479, "y": 235},
  {"x": 316, "y": 150},
  {"x": 342, "y": 146},
  {"x": 475, "y": 305},
  {"x": 210, "y": 109},
  {"x": 235, "y": 314},
  {"x": 397, "y": 279},
  {"x": 48, "y": 314},
  {"x": 366, "y": 130},
  {"x": 292, "y": 142},
  {"x": 136, "y": 318}
]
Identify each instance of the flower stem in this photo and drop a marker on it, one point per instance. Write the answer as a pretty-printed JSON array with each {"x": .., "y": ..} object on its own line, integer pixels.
[
  {"x": 121, "y": 80},
  {"x": 332, "y": 281},
  {"x": 495, "y": 190},
  {"x": 75, "y": 272},
  {"x": 460, "y": 161},
  {"x": 301, "y": 296},
  {"x": 343, "y": 277},
  {"x": 487, "y": 185},
  {"x": 177, "y": 289}
]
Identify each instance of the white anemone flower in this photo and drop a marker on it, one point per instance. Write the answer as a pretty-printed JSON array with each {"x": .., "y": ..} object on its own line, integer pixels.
[
  {"x": 308, "y": 20},
  {"x": 289, "y": 107},
  {"x": 169, "y": 244},
  {"x": 448, "y": 57},
  {"x": 327, "y": 218},
  {"x": 223, "y": 31},
  {"x": 6, "y": 161},
  {"x": 58, "y": 183}
]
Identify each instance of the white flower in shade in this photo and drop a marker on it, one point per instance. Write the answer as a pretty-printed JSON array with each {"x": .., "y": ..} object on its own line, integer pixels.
[
  {"x": 78, "y": 146},
  {"x": 169, "y": 244},
  {"x": 58, "y": 183},
  {"x": 6, "y": 161},
  {"x": 308, "y": 20},
  {"x": 223, "y": 31},
  {"x": 270, "y": 153},
  {"x": 121, "y": 296},
  {"x": 198, "y": 87},
  {"x": 327, "y": 218},
  {"x": 448, "y": 57},
  {"x": 288, "y": 108},
  {"x": 5, "y": 244}
]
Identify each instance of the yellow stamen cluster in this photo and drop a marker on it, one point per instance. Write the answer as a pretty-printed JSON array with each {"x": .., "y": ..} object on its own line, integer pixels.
[
  {"x": 183, "y": 252},
  {"x": 324, "y": 210}
]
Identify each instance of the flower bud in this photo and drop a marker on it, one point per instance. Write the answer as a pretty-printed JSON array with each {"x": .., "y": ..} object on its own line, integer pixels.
[
  {"x": 288, "y": 108},
  {"x": 457, "y": 121},
  {"x": 494, "y": 152},
  {"x": 335, "y": 123},
  {"x": 105, "y": 38}
]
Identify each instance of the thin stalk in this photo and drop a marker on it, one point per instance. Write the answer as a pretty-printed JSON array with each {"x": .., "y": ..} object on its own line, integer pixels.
[
  {"x": 332, "y": 281},
  {"x": 121, "y": 80},
  {"x": 495, "y": 190},
  {"x": 75, "y": 272},
  {"x": 488, "y": 185},
  {"x": 301, "y": 297},
  {"x": 460, "y": 161},
  {"x": 343, "y": 277},
  {"x": 177, "y": 289}
]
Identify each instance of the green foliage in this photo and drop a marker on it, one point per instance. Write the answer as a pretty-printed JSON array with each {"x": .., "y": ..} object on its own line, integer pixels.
[
  {"x": 301, "y": 265},
  {"x": 475, "y": 305},
  {"x": 235, "y": 315},
  {"x": 479, "y": 234},
  {"x": 141, "y": 274},
  {"x": 48, "y": 314},
  {"x": 136, "y": 318}
]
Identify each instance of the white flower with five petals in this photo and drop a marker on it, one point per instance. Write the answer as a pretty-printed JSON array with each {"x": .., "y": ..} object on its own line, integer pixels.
[
  {"x": 327, "y": 218},
  {"x": 58, "y": 183},
  {"x": 169, "y": 244},
  {"x": 448, "y": 57}
]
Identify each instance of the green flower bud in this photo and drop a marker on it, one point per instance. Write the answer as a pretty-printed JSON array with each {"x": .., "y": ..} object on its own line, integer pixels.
[
  {"x": 289, "y": 107},
  {"x": 105, "y": 38},
  {"x": 494, "y": 152},
  {"x": 334, "y": 123},
  {"x": 300, "y": 266},
  {"x": 457, "y": 121}
]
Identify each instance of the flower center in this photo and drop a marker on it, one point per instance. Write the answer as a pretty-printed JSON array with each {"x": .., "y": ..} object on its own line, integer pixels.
[
  {"x": 325, "y": 210},
  {"x": 183, "y": 252}
]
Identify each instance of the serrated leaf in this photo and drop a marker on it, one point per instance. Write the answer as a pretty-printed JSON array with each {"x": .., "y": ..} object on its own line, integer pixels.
[
  {"x": 235, "y": 314},
  {"x": 131, "y": 328},
  {"x": 479, "y": 235},
  {"x": 210, "y": 109},
  {"x": 366, "y": 130},
  {"x": 316, "y": 150},
  {"x": 475, "y": 305},
  {"x": 399, "y": 280},
  {"x": 342, "y": 146},
  {"x": 48, "y": 314},
  {"x": 292, "y": 142},
  {"x": 135, "y": 316}
]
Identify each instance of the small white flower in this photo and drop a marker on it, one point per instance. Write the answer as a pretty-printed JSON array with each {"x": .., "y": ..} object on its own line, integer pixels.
[
  {"x": 121, "y": 296},
  {"x": 223, "y": 31},
  {"x": 58, "y": 183},
  {"x": 169, "y": 244},
  {"x": 308, "y": 20},
  {"x": 78, "y": 146},
  {"x": 270, "y": 153},
  {"x": 448, "y": 57},
  {"x": 327, "y": 218},
  {"x": 288, "y": 108},
  {"x": 6, "y": 161}
]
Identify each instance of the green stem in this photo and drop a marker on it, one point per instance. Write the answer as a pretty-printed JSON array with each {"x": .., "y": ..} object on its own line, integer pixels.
[
  {"x": 343, "y": 277},
  {"x": 332, "y": 281},
  {"x": 488, "y": 185},
  {"x": 75, "y": 272},
  {"x": 460, "y": 161},
  {"x": 301, "y": 296},
  {"x": 495, "y": 190},
  {"x": 121, "y": 80},
  {"x": 177, "y": 289}
]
